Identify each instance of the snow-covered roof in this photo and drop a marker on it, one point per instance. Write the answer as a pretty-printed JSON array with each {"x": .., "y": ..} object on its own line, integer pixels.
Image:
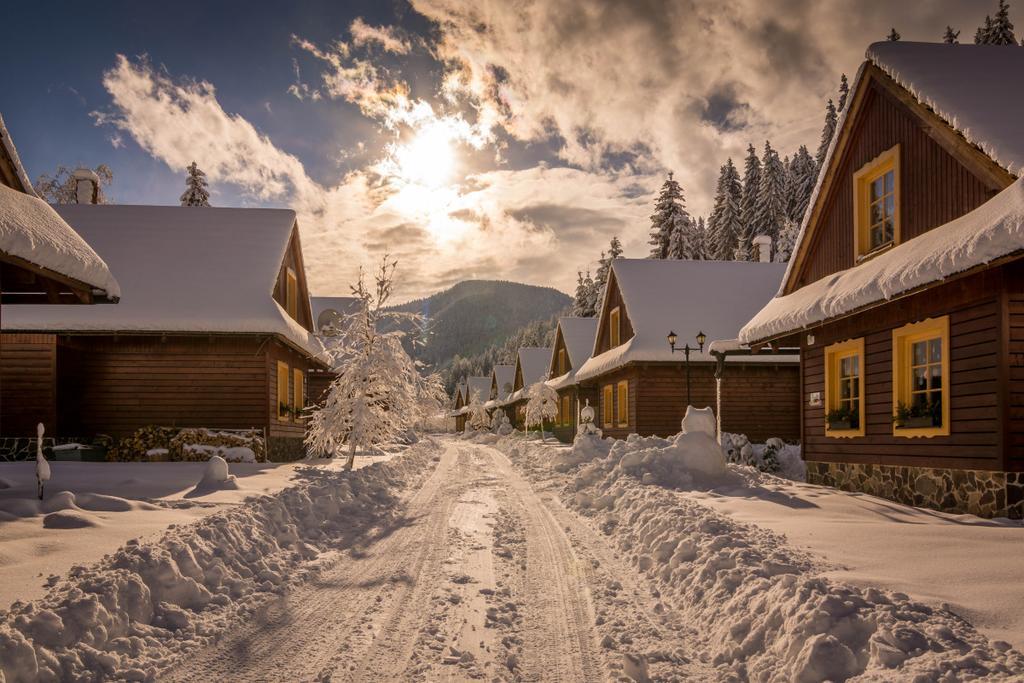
[
  {"x": 328, "y": 309},
  {"x": 992, "y": 231},
  {"x": 686, "y": 297},
  {"x": 504, "y": 375},
  {"x": 19, "y": 171},
  {"x": 183, "y": 269},
  {"x": 976, "y": 89},
  {"x": 478, "y": 386},
  {"x": 578, "y": 335},
  {"x": 31, "y": 230},
  {"x": 534, "y": 362}
]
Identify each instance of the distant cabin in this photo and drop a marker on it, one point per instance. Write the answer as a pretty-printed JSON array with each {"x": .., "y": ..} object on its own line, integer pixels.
[
  {"x": 905, "y": 293},
  {"x": 641, "y": 383},
  {"x": 213, "y": 329},
  {"x": 502, "y": 382},
  {"x": 531, "y": 367},
  {"x": 574, "y": 341},
  {"x": 459, "y": 406}
]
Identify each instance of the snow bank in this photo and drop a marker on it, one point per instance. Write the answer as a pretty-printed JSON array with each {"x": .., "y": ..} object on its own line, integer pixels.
[
  {"x": 774, "y": 456},
  {"x": 764, "y": 611},
  {"x": 130, "y": 615}
]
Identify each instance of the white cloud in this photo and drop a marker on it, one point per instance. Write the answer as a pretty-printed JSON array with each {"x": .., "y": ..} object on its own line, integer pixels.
[{"x": 387, "y": 37}]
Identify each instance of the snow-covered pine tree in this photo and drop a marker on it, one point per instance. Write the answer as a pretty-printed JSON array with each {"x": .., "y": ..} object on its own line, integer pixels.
[
  {"x": 581, "y": 302},
  {"x": 476, "y": 414},
  {"x": 893, "y": 36},
  {"x": 982, "y": 35},
  {"x": 748, "y": 204},
  {"x": 951, "y": 37},
  {"x": 844, "y": 92},
  {"x": 541, "y": 405},
  {"x": 771, "y": 200},
  {"x": 700, "y": 229},
  {"x": 1001, "y": 30},
  {"x": 379, "y": 394},
  {"x": 196, "y": 192},
  {"x": 804, "y": 174},
  {"x": 827, "y": 131},
  {"x": 787, "y": 241},
  {"x": 669, "y": 211},
  {"x": 685, "y": 242},
  {"x": 724, "y": 223}
]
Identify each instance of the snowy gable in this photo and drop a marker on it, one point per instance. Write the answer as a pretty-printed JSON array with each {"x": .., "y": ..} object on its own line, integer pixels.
[
  {"x": 992, "y": 231},
  {"x": 504, "y": 377},
  {"x": 577, "y": 334},
  {"x": 32, "y": 231},
  {"x": 182, "y": 269},
  {"x": 976, "y": 89},
  {"x": 685, "y": 297},
  {"x": 533, "y": 363},
  {"x": 479, "y": 388},
  {"x": 12, "y": 172}
]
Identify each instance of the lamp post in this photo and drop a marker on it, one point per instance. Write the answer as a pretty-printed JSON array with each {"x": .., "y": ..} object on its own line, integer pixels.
[{"x": 701, "y": 338}]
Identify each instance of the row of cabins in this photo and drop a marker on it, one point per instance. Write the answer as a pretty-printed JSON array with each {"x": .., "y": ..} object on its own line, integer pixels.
[
  {"x": 213, "y": 324},
  {"x": 891, "y": 346}
]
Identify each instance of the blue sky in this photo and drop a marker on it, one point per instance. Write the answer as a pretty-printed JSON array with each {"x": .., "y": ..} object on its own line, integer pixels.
[{"x": 470, "y": 139}]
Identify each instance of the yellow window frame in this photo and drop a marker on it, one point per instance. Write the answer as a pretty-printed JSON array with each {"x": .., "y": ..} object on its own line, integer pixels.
[
  {"x": 903, "y": 340},
  {"x": 622, "y": 389},
  {"x": 607, "y": 405},
  {"x": 282, "y": 392},
  {"x": 561, "y": 362},
  {"x": 614, "y": 327},
  {"x": 835, "y": 354},
  {"x": 887, "y": 161},
  {"x": 292, "y": 293},
  {"x": 298, "y": 390}
]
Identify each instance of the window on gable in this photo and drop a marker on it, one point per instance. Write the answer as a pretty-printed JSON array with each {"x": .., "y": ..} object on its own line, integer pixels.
[
  {"x": 561, "y": 362},
  {"x": 844, "y": 389},
  {"x": 876, "y": 205},
  {"x": 284, "y": 406},
  {"x": 292, "y": 294},
  {"x": 920, "y": 374},
  {"x": 614, "y": 328},
  {"x": 607, "y": 405}
]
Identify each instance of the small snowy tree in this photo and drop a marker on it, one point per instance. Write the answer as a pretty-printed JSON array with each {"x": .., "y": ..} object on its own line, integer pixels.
[
  {"x": 804, "y": 175},
  {"x": 477, "y": 415},
  {"x": 1000, "y": 32},
  {"x": 669, "y": 212},
  {"x": 541, "y": 405},
  {"x": 786, "y": 241},
  {"x": 725, "y": 224},
  {"x": 981, "y": 36},
  {"x": 604, "y": 265},
  {"x": 844, "y": 92},
  {"x": 893, "y": 36},
  {"x": 583, "y": 302},
  {"x": 827, "y": 131},
  {"x": 196, "y": 192},
  {"x": 951, "y": 37},
  {"x": 379, "y": 394},
  {"x": 60, "y": 188}
]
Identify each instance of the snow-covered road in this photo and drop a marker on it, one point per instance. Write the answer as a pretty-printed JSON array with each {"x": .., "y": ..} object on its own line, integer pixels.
[{"x": 480, "y": 576}]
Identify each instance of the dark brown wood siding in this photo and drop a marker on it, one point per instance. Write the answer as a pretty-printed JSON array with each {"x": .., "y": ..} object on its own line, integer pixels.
[
  {"x": 975, "y": 313},
  {"x": 1015, "y": 372},
  {"x": 762, "y": 400},
  {"x": 293, "y": 259},
  {"x": 614, "y": 300},
  {"x": 935, "y": 186},
  {"x": 117, "y": 385},
  {"x": 294, "y": 426},
  {"x": 28, "y": 384}
]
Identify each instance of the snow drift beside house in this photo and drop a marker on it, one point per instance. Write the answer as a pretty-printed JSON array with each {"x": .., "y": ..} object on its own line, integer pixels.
[
  {"x": 993, "y": 230},
  {"x": 31, "y": 230},
  {"x": 976, "y": 89},
  {"x": 183, "y": 269}
]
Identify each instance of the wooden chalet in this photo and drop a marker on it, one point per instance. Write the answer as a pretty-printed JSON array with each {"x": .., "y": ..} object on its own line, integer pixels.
[
  {"x": 213, "y": 330},
  {"x": 531, "y": 367},
  {"x": 42, "y": 259},
  {"x": 502, "y": 380},
  {"x": 906, "y": 289},
  {"x": 641, "y": 383},
  {"x": 574, "y": 340},
  {"x": 458, "y": 407}
]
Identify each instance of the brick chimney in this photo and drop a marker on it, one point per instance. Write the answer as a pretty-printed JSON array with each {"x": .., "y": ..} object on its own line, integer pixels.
[
  {"x": 87, "y": 186},
  {"x": 763, "y": 246}
]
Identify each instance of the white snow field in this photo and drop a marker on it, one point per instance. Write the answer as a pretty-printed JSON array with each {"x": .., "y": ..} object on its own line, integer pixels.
[{"x": 108, "y": 503}]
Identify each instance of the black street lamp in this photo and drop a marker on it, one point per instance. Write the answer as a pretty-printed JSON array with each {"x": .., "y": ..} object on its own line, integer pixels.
[{"x": 701, "y": 338}]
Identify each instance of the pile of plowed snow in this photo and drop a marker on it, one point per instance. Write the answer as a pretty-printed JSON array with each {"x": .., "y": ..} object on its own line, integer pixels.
[
  {"x": 130, "y": 615},
  {"x": 764, "y": 610}
]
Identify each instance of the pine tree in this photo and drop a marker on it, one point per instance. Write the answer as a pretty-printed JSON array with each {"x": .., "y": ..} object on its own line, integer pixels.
[
  {"x": 983, "y": 35},
  {"x": 725, "y": 224},
  {"x": 195, "y": 193},
  {"x": 787, "y": 241},
  {"x": 604, "y": 265},
  {"x": 685, "y": 242},
  {"x": 669, "y": 211},
  {"x": 893, "y": 36},
  {"x": 804, "y": 176},
  {"x": 951, "y": 37},
  {"x": 700, "y": 229},
  {"x": 771, "y": 202},
  {"x": 580, "y": 303},
  {"x": 844, "y": 92},
  {"x": 748, "y": 205},
  {"x": 827, "y": 132},
  {"x": 1001, "y": 30}
]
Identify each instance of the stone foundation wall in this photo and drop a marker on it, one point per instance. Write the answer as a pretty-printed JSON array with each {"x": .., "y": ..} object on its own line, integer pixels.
[{"x": 977, "y": 492}]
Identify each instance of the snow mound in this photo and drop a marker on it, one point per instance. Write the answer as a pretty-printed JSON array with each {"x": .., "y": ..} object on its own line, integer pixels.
[
  {"x": 69, "y": 519},
  {"x": 585, "y": 448},
  {"x": 129, "y": 616},
  {"x": 215, "y": 477},
  {"x": 764, "y": 611},
  {"x": 201, "y": 452}
]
